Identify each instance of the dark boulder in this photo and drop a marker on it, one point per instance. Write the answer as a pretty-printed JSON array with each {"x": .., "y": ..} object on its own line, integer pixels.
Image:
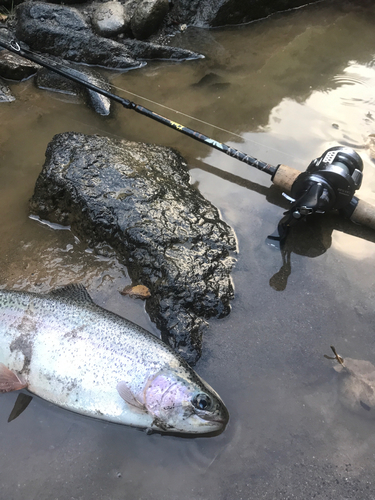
[
  {"x": 65, "y": 32},
  {"x": 62, "y": 31},
  {"x": 137, "y": 198},
  {"x": 148, "y": 17}
]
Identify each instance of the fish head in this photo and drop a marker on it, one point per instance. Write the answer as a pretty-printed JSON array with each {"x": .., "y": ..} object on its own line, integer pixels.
[{"x": 184, "y": 404}]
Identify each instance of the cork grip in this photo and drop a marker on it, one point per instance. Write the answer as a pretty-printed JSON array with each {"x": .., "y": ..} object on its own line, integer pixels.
[
  {"x": 284, "y": 177},
  {"x": 364, "y": 213}
]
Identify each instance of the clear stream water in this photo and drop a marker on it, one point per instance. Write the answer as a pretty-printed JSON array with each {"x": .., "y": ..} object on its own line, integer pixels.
[{"x": 290, "y": 87}]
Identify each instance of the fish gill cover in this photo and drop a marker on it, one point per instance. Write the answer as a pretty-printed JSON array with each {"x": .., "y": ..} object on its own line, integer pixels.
[{"x": 137, "y": 198}]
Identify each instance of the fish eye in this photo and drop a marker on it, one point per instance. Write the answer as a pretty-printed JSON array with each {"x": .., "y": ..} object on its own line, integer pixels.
[{"x": 202, "y": 402}]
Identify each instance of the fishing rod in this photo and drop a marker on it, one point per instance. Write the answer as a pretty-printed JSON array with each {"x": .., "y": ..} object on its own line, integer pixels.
[{"x": 329, "y": 182}]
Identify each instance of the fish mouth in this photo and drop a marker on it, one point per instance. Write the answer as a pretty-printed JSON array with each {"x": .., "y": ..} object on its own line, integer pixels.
[
  {"x": 198, "y": 427},
  {"x": 216, "y": 418},
  {"x": 222, "y": 421},
  {"x": 213, "y": 426}
]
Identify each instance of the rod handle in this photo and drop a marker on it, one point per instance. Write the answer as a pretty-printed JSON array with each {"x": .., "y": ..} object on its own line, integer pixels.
[
  {"x": 364, "y": 214},
  {"x": 359, "y": 211},
  {"x": 284, "y": 177}
]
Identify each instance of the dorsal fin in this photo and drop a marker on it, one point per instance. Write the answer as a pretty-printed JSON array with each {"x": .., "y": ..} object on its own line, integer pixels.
[{"x": 74, "y": 291}]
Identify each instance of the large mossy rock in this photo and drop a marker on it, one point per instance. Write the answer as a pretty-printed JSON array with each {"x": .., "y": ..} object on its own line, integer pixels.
[{"x": 137, "y": 198}]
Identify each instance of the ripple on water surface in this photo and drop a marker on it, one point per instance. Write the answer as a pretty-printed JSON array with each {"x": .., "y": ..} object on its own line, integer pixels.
[{"x": 360, "y": 76}]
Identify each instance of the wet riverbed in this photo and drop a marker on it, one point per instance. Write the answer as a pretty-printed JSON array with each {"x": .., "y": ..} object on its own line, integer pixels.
[{"x": 284, "y": 90}]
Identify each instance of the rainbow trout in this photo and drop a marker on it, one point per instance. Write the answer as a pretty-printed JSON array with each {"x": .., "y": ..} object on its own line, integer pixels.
[{"x": 66, "y": 349}]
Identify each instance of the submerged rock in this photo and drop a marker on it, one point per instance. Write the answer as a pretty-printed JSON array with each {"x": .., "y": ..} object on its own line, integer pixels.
[
  {"x": 150, "y": 50},
  {"x": 137, "y": 198},
  {"x": 5, "y": 93},
  {"x": 49, "y": 80}
]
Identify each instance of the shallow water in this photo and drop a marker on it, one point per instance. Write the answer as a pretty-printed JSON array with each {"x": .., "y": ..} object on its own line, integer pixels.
[{"x": 290, "y": 86}]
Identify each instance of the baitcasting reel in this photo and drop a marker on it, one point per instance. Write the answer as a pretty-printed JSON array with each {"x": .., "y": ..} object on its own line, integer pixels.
[{"x": 329, "y": 182}]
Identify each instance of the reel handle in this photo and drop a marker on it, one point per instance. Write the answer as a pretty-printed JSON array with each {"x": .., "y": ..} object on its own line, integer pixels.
[{"x": 363, "y": 213}]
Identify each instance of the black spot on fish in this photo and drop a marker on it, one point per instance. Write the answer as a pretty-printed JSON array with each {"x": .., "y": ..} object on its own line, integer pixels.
[{"x": 73, "y": 334}]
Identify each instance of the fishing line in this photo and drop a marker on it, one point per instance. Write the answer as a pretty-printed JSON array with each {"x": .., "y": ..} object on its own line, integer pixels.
[
  {"x": 329, "y": 183},
  {"x": 191, "y": 117},
  {"x": 16, "y": 47},
  {"x": 177, "y": 112}
]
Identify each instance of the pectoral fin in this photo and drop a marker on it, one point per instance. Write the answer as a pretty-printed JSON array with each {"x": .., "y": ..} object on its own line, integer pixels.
[
  {"x": 129, "y": 397},
  {"x": 9, "y": 381}
]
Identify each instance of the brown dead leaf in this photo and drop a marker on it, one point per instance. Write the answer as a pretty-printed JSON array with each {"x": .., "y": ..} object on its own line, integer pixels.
[
  {"x": 137, "y": 292},
  {"x": 3, "y": 17}
]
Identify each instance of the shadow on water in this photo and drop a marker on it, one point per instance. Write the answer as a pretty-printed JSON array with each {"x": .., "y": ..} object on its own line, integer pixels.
[{"x": 290, "y": 87}]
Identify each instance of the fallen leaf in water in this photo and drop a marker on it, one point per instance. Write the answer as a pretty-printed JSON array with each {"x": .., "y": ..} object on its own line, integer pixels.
[
  {"x": 137, "y": 292},
  {"x": 356, "y": 384}
]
